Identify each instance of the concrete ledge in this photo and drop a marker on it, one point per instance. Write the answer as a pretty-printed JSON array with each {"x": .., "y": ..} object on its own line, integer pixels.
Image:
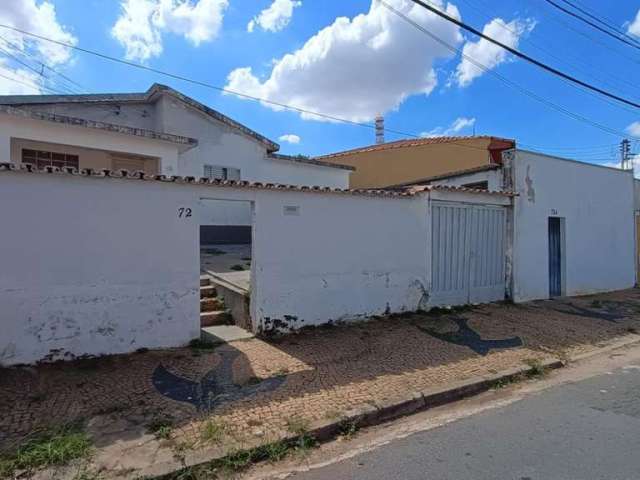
[{"x": 366, "y": 415}]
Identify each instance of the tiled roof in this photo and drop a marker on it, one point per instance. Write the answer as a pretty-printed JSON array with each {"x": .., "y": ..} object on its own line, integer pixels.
[
  {"x": 110, "y": 127},
  {"x": 416, "y": 143},
  {"x": 450, "y": 188},
  {"x": 310, "y": 161},
  {"x": 141, "y": 176},
  {"x": 147, "y": 96}
]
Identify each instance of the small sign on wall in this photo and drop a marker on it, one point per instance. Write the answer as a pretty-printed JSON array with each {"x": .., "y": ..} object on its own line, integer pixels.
[{"x": 291, "y": 210}]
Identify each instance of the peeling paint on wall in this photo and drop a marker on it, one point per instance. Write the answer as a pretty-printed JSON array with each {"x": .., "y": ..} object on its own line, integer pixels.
[{"x": 531, "y": 192}]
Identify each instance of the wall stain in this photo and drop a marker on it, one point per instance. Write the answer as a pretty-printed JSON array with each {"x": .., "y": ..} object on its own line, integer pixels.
[{"x": 531, "y": 192}]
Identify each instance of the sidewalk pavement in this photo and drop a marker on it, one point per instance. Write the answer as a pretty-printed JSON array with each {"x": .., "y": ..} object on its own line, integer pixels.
[{"x": 213, "y": 401}]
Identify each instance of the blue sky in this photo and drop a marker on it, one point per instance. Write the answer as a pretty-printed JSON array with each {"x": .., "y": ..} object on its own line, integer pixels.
[{"x": 354, "y": 69}]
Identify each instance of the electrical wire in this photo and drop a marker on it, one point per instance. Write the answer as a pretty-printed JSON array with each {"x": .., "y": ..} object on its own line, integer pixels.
[
  {"x": 306, "y": 111},
  {"x": 578, "y": 62},
  {"x": 524, "y": 56},
  {"x": 631, "y": 42},
  {"x": 505, "y": 80}
]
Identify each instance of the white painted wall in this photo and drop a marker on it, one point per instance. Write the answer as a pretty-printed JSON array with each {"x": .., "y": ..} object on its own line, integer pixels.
[
  {"x": 339, "y": 258},
  {"x": 492, "y": 177},
  {"x": 597, "y": 204},
  {"x": 95, "y": 266},
  {"x": 87, "y": 157},
  {"x": 219, "y": 144},
  {"x": 13, "y": 127},
  {"x": 636, "y": 193}
]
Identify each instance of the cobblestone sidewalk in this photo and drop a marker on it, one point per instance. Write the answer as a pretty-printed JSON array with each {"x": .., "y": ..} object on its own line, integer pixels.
[{"x": 261, "y": 389}]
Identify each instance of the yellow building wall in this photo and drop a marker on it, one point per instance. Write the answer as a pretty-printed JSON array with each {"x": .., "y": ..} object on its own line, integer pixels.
[{"x": 383, "y": 168}]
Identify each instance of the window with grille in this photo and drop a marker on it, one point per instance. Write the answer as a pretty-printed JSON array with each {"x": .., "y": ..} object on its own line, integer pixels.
[
  {"x": 41, "y": 159},
  {"x": 478, "y": 185},
  {"x": 216, "y": 172}
]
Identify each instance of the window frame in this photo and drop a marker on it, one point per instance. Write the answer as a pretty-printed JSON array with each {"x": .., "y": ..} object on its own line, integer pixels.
[{"x": 41, "y": 159}]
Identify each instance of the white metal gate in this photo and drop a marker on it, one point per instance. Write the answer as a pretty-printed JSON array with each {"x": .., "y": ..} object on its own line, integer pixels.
[{"x": 467, "y": 254}]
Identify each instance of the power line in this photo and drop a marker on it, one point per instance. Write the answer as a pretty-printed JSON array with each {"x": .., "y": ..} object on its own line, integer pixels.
[
  {"x": 599, "y": 20},
  {"x": 203, "y": 84},
  {"x": 306, "y": 111},
  {"x": 578, "y": 62},
  {"x": 505, "y": 80},
  {"x": 524, "y": 56},
  {"x": 27, "y": 84},
  {"x": 591, "y": 24},
  {"x": 42, "y": 64}
]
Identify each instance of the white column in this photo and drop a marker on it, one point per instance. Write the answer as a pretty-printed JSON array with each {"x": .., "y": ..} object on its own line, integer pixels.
[
  {"x": 5, "y": 149},
  {"x": 169, "y": 163}
]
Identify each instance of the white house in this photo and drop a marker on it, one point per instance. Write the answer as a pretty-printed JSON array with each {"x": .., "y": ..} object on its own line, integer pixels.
[
  {"x": 573, "y": 228},
  {"x": 213, "y": 145}
]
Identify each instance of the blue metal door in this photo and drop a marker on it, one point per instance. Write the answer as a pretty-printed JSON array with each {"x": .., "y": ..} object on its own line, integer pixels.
[{"x": 555, "y": 257}]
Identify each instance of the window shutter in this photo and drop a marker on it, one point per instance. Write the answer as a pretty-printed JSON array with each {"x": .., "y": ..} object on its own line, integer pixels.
[
  {"x": 233, "y": 174},
  {"x": 214, "y": 172}
]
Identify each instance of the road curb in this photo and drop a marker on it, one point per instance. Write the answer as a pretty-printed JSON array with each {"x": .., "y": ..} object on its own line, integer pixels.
[
  {"x": 368, "y": 415},
  {"x": 371, "y": 415}
]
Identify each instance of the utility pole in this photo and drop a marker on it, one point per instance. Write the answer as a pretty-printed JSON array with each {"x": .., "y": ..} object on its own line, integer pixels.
[{"x": 626, "y": 158}]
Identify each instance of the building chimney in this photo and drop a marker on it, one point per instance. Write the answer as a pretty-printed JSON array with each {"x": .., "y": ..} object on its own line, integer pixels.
[{"x": 379, "y": 129}]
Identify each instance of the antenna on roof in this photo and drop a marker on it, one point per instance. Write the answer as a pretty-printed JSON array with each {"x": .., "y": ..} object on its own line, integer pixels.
[{"x": 379, "y": 129}]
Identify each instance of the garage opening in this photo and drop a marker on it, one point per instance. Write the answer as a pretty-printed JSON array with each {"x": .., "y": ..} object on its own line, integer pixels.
[
  {"x": 226, "y": 239},
  {"x": 468, "y": 254}
]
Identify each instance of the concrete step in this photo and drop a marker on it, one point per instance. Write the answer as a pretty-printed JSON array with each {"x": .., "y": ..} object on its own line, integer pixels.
[
  {"x": 205, "y": 280},
  {"x": 224, "y": 334},
  {"x": 217, "y": 317},
  {"x": 211, "y": 304},
  {"x": 208, "y": 291}
]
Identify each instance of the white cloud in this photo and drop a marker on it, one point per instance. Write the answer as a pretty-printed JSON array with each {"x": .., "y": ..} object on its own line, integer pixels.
[
  {"x": 275, "y": 17},
  {"x": 18, "y": 81},
  {"x": 488, "y": 54},
  {"x": 634, "y": 161},
  {"x": 459, "y": 124},
  {"x": 39, "y": 18},
  {"x": 634, "y": 27},
  {"x": 633, "y": 129},
  {"x": 356, "y": 68},
  {"x": 290, "y": 138},
  {"x": 142, "y": 22}
]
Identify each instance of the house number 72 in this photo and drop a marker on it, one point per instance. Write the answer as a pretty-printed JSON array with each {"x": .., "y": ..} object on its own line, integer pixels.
[{"x": 184, "y": 212}]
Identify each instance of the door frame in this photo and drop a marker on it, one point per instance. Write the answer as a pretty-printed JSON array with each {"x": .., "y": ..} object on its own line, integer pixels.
[{"x": 562, "y": 254}]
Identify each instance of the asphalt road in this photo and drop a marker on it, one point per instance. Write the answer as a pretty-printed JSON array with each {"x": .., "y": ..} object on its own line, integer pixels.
[{"x": 585, "y": 430}]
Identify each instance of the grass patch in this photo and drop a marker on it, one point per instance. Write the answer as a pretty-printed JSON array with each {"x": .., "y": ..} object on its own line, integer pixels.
[
  {"x": 536, "y": 369},
  {"x": 161, "y": 428},
  {"x": 237, "y": 267},
  {"x": 333, "y": 414},
  {"x": 242, "y": 459},
  {"x": 347, "y": 429},
  {"x": 52, "y": 448},
  {"x": 297, "y": 425},
  {"x": 212, "y": 431}
]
